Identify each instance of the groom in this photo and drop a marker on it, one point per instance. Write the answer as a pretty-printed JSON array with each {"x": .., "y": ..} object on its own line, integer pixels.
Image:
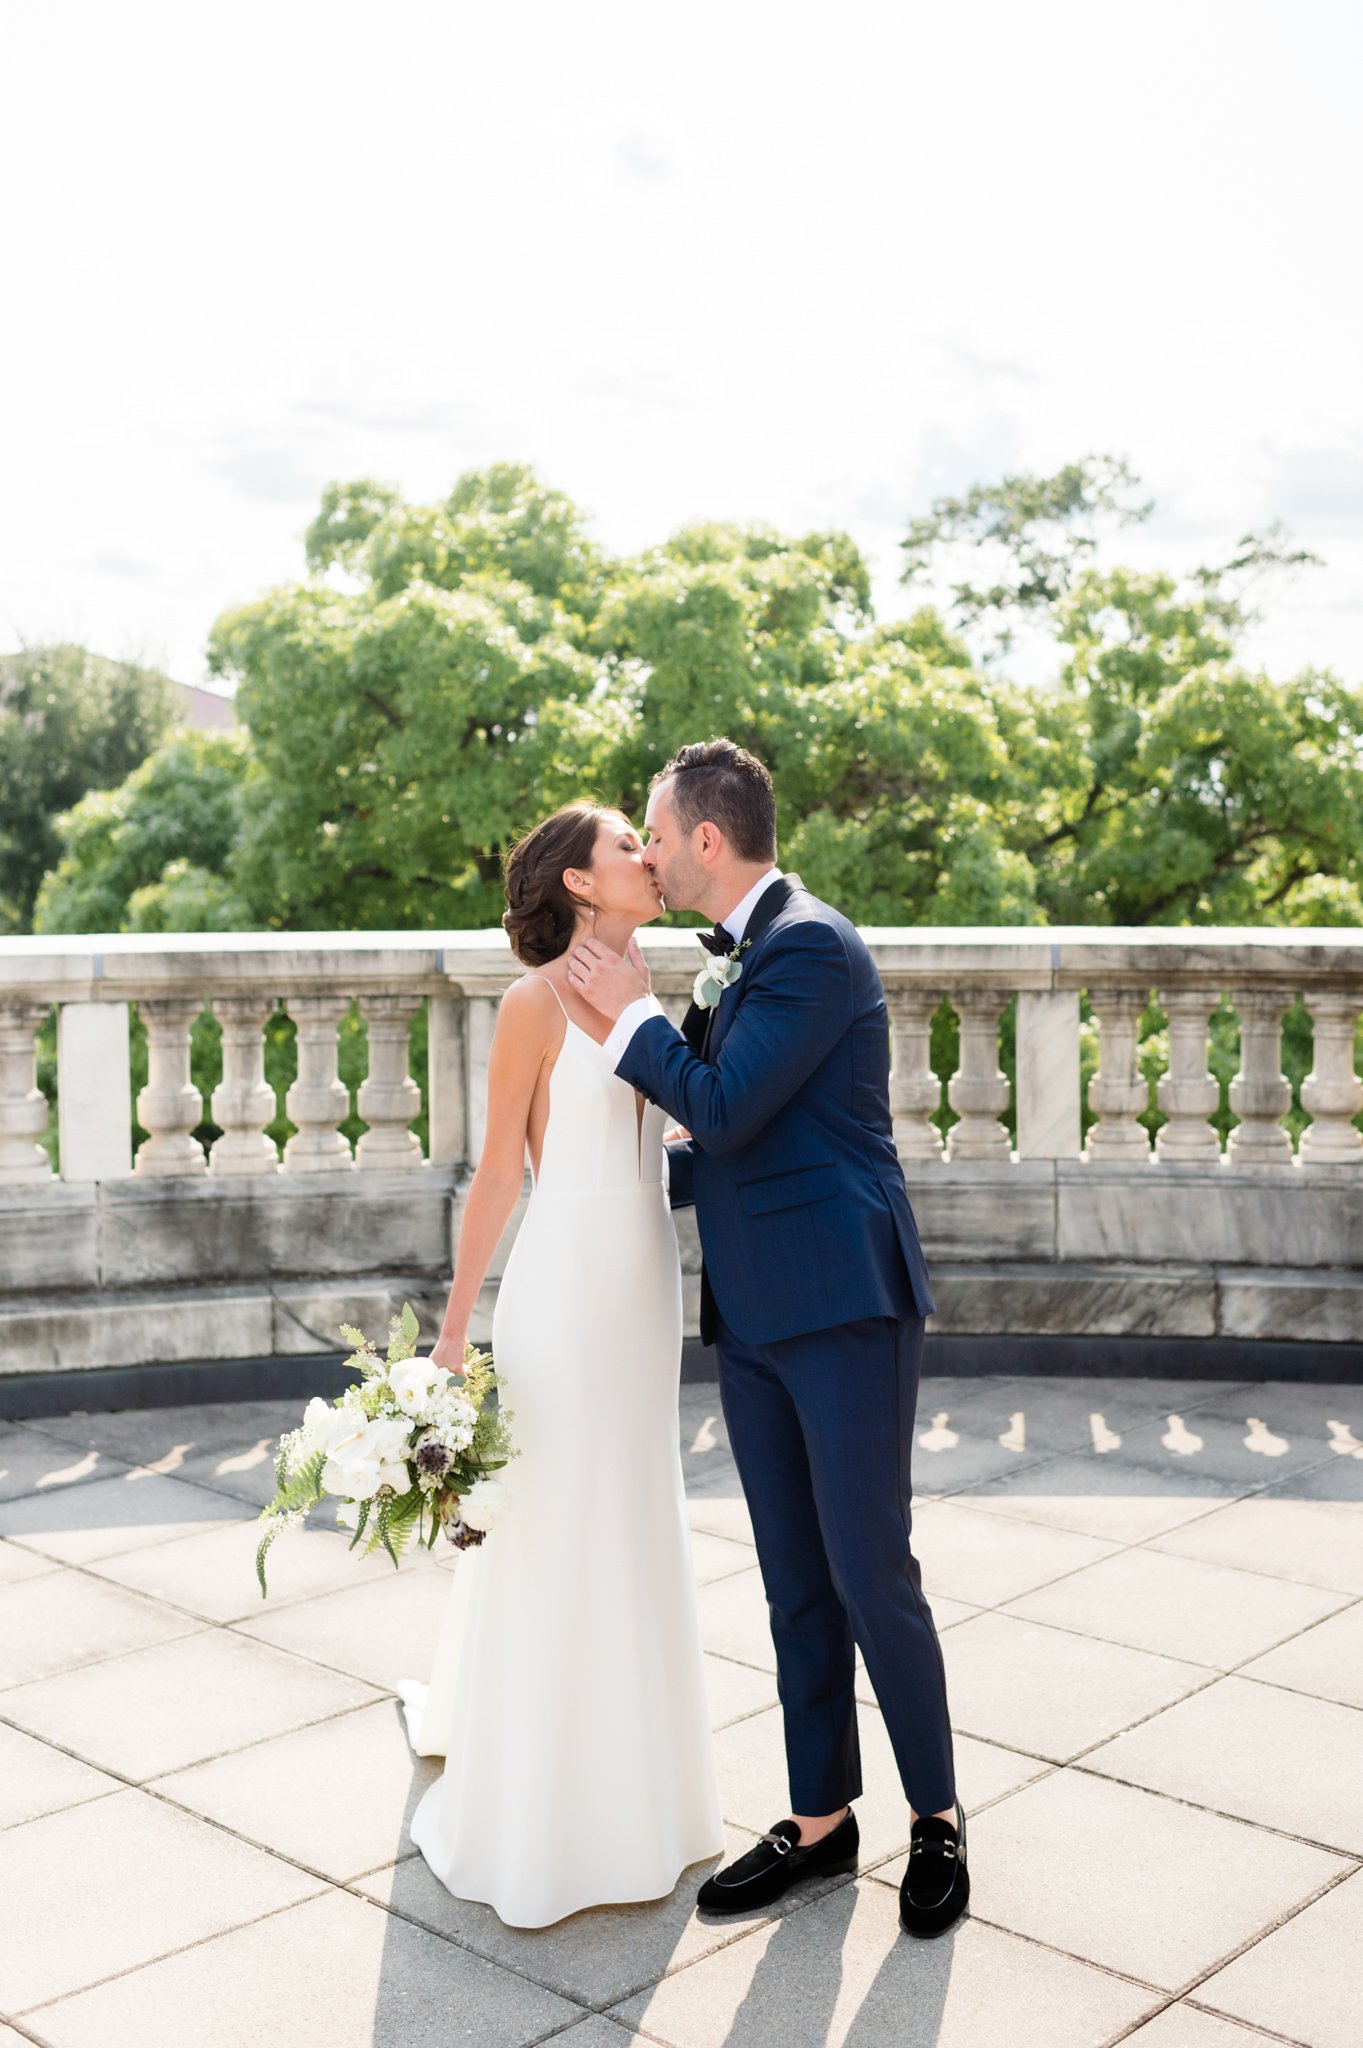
[{"x": 813, "y": 1292}]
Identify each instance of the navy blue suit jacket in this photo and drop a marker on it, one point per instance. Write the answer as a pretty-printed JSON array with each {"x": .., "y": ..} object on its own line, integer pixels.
[{"x": 800, "y": 1200}]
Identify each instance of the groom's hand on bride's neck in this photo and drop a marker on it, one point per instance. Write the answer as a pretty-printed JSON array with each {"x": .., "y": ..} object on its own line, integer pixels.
[{"x": 603, "y": 979}]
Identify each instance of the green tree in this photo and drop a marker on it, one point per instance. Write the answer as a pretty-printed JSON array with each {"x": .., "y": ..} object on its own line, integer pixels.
[
  {"x": 1206, "y": 793},
  {"x": 156, "y": 853},
  {"x": 1022, "y": 541},
  {"x": 70, "y": 721},
  {"x": 446, "y": 674},
  {"x": 404, "y": 730}
]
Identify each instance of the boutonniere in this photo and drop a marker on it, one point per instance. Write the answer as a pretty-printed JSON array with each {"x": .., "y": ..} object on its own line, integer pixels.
[{"x": 721, "y": 971}]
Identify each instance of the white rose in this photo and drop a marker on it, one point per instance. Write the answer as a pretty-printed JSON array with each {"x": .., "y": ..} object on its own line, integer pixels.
[
  {"x": 413, "y": 1383},
  {"x": 484, "y": 1504}
]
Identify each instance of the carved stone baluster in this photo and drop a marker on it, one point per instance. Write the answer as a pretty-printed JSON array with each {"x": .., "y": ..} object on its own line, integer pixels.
[
  {"x": 1260, "y": 1094},
  {"x": 23, "y": 1106},
  {"x": 978, "y": 1091},
  {"x": 1332, "y": 1093},
  {"x": 1117, "y": 1091},
  {"x": 1188, "y": 1093},
  {"x": 389, "y": 1098},
  {"x": 915, "y": 1091},
  {"x": 318, "y": 1102},
  {"x": 243, "y": 1101},
  {"x": 170, "y": 1105}
]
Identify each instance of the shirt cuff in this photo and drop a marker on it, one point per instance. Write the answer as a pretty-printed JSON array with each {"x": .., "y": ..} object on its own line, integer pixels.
[{"x": 628, "y": 1022}]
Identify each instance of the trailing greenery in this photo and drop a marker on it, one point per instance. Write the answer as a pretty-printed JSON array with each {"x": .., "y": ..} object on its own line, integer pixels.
[{"x": 294, "y": 1496}]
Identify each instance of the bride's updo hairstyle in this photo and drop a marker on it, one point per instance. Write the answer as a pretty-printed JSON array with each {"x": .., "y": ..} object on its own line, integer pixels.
[{"x": 541, "y": 914}]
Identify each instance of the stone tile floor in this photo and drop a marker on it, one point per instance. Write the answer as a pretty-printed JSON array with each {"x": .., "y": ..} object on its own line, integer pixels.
[{"x": 1151, "y": 1599}]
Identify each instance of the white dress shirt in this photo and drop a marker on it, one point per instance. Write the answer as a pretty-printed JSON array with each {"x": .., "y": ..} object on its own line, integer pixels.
[{"x": 639, "y": 1011}]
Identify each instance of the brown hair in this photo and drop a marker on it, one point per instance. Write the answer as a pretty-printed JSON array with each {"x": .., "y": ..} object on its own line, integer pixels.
[
  {"x": 540, "y": 910},
  {"x": 720, "y": 781}
]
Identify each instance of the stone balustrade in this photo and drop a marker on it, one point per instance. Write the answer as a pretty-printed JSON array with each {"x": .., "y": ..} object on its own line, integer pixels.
[{"x": 239, "y": 1249}]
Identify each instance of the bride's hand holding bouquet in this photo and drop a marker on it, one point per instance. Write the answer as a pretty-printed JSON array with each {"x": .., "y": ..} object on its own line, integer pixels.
[{"x": 409, "y": 1450}]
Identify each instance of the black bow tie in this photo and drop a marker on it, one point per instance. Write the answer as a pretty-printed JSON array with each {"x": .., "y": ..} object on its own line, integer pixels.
[{"x": 717, "y": 941}]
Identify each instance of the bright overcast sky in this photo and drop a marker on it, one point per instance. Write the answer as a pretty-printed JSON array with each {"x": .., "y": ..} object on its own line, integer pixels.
[{"x": 810, "y": 266}]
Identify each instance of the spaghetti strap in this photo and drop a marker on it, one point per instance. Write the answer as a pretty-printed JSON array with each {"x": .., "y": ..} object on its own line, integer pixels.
[{"x": 557, "y": 997}]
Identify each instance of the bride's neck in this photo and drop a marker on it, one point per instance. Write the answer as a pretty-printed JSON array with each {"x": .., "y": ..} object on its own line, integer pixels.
[{"x": 612, "y": 930}]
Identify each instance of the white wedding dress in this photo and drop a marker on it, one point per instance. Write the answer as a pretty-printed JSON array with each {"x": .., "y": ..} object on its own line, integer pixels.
[{"x": 568, "y": 1695}]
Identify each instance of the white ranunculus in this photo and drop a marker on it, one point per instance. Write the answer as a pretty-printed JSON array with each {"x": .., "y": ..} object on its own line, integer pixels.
[
  {"x": 414, "y": 1384},
  {"x": 706, "y": 990},
  {"x": 322, "y": 1428},
  {"x": 484, "y": 1504},
  {"x": 374, "y": 1456}
]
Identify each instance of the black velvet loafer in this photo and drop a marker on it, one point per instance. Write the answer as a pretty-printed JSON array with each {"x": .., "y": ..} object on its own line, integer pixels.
[
  {"x": 937, "y": 1883},
  {"x": 778, "y": 1862}
]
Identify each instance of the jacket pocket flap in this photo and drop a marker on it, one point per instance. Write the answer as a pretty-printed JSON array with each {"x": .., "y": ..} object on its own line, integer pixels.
[{"x": 787, "y": 1190}]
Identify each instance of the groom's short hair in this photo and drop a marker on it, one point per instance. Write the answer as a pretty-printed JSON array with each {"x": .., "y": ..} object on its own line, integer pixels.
[{"x": 719, "y": 781}]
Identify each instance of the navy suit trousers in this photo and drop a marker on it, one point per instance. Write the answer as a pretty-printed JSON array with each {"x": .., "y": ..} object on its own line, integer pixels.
[{"x": 822, "y": 1432}]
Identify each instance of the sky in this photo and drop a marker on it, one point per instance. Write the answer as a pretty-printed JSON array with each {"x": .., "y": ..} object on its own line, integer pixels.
[{"x": 812, "y": 267}]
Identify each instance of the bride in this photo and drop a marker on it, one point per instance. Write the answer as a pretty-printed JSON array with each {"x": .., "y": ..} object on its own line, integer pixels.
[{"x": 567, "y": 1695}]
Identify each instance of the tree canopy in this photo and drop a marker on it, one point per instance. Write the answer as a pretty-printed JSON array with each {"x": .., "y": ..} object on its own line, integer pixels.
[
  {"x": 70, "y": 721},
  {"x": 446, "y": 674},
  {"x": 154, "y": 854}
]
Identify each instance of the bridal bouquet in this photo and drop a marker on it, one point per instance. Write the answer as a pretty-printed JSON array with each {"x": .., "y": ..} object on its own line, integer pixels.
[{"x": 408, "y": 1451}]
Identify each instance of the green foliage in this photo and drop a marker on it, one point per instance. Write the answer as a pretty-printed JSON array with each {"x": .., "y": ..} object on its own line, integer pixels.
[
  {"x": 155, "y": 854},
  {"x": 349, "y": 514},
  {"x": 1197, "y": 792},
  {"x": 1035, "y": 533},
  {"x": 295, "y": 1494},
  {"x": 69, "y": 722},
  {"x": 449, "y": 673},
  {"x": 397, "y": 1519}
]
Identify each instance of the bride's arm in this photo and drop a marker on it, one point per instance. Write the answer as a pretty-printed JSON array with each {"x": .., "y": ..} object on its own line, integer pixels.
[{"x": 523, "y": 1040}]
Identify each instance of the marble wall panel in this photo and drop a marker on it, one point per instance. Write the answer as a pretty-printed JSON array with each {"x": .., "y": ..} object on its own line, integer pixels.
[
  {"x": 309, "y": 1314},
  {"x": 49, "y": 1242},
  {"x": 110, "y": 1329},
  {"x": 985, "y": 1210},
  {"x": 1098, "y": 1301},
  {"x": 1301, "y": 1306},
  {"x": 206, "y": 1231},
  {"x": 1267, "y": 1216}
]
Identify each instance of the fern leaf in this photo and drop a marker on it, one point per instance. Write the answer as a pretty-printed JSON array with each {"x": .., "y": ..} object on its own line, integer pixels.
[
  {"x": 302, "y": 1490},
  {"x": 266, "y": 1540},
  {"x": 360, "y": 1521}
]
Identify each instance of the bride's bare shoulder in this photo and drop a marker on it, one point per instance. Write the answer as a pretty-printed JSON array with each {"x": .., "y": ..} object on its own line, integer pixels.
[{"x": 531, "y": 1009}]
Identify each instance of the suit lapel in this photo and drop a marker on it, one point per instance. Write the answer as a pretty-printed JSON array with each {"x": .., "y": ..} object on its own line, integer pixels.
[{"x": 767, "y": 909}]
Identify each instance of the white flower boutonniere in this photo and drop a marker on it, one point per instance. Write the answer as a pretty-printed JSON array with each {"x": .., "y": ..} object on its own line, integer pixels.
[{"x": 721, "y": 971}]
